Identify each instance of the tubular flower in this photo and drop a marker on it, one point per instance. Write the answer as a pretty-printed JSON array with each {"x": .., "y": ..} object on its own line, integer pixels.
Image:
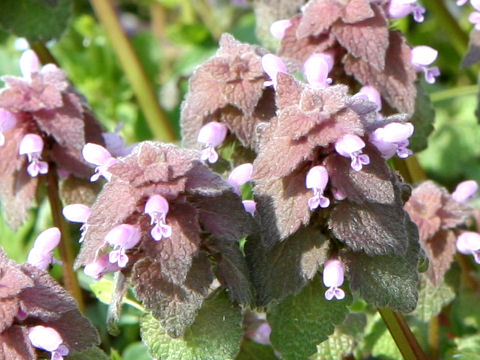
[
  {"x": 465, "y": 191},
  {"x": 272, "y": 65},
  {"x": 393, "y": 138},
  {"x": 157, "y": 208},
  {"x": 317, "y": 179},
  {"x": 32, "y": 146},
  {"x": 41, "y": 255},
  {"x": 250, "y": 206},
  {"x": 397, "y": 9},
  {"x": 468, "y": 243},
  {"x": 78, "y": 213},
  {"x": 422, "y": 56},
  {"x": 316, "y": 70},
  {"x": 211, "y": 135},
  {"x": 48, "y": 339},
  {"x": 29, "y": 63},
  {"x": 97, "y": 155},
  {"x": 8, "y": 120},
  {"x": 122, "y": 237},
  {"x": 371, "y": 94},
  {"x": 240, "y": 176},
  {"x": 278, "y": 28},
  {"x": 351, "y": 146},
  {"x": 100, "y": 267},
  {"x": 333, "y": 275}
]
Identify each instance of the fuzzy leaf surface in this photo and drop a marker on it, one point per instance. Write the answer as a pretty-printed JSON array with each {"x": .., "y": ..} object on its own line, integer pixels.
[
  {"x": 251, "y": 350},
  {"x": 302, "y": 321},
  {"x": 432, "y": 298},
  {"x": 15, "y": 345},
  {"x": 337, "y": 346},
  {"x": 422, "y": 119},
  {"x": 215, "y": 335}
]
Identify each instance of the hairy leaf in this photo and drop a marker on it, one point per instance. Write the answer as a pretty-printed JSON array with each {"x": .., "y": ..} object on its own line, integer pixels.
[
  {"x": 302, "y": 321},
  {"x": 432, "y": 298},
  {"x": 250, "y": 350},
  {"x": 422, "y": 119},
  {"x": 440, "y": 250},
  {"x": 215, "y": 335},
  {"x": 15, "y": 345},
  {"x": 285, "y": 268},
  {"x": 12, "y": 279},
  {"x": 27, "y": 18},
  {"x": 8, "y": 310},
  {"x": 318, "y": 16},
  {"x": 337, "y": 346},
  {"x": 473, "y": 54}
]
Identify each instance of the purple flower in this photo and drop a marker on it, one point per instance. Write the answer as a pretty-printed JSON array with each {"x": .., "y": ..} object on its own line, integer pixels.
[
  {"x": 317, "y": 179},
  {"x": 278, "y": 28},
  {"x": 157, "y": 208},
  {"x": 250, "y": 206},
  {"x": 41, "y": 255},
  {"x": 29, "y": 63},
  {"x": 316, "y": 70},
  {"x": 465, "y": 191},
  {"x": 333, "y": 274},
  {"x": 211, "y": 135},
  {"x": 260, "y": 334},
  {"x": 397, "y": 9},
  {"x": 421, "y": 57},
  {"x": 240, "y": 176},
  {"x": 76, "y": 213},
  {"x": 97, "y": 155},
  {"x": 371, "y": 94},
  {"x": 468, "y": 243},
  {"x": 48, "y": 339},
  {"x": 461, "y": 2},
  {"x": 273, "y": 65},
  {"x": 32, "y": 146},
  {"x": 100, "y": 267},
  {"x": 474, "y": 17},
  {"x": 393, "y": 138},
  {"x": 122, "y": 237},
  {"x": 8, "y": 120},
  {"x": 351, "y": 146}
]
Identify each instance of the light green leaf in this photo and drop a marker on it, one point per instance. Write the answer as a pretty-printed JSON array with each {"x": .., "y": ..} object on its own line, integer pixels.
[
  {"x": 468, "y": 348},
  {"x": 103, "y": 290},
  {"x": 302, "y": 321},
  {"x": 431, "y": 298},
  {"x": 251, "y": 350},
  {"x": 136, "y": 351},
  {"x": 378, "y": 340},
  {"x": 337, "y": 346},
  {"x": 215, "y": 335},
  {"x": 93, "y": 353},
  {"x": 35, "y": 20},
  {"x": 422, "y": 119}
]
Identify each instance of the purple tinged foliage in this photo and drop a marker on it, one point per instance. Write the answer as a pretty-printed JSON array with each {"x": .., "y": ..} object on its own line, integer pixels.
[
  {"x": 351, "y": 146},
  {"x": 422, "y": 56},
  {"x": 273, "y": 65},
  {"x": 278, "y": 28},
  {"x": 122, "y": 237},
  {"x": 465, "y": 191},
  {"x": 316, "y": 70},
  {"x": 468, "y": 243},
  {"x": 97, "y": 155},
  {"x": 392, "y": 139},
  {"x": 211, "y": 135},
  {"x": 157, "y": 208},
  {"x": 333, "y": 276},
  {"x": 32, "y": 146},
  {"x": 397, "y": 9},
  {"x": 41, "y": 255},
  {"x": 316, "y": 180},
  {"x": 48, "y": 339},
  {"x": 240, "y": 176}
]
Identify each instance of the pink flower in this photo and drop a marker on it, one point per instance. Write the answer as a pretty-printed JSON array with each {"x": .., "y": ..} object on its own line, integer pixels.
[
  {"x": 393, "y": 138},
  {"x": 100, "y": 267},
  {"x": 397, "y": 9},
  {"x": 97, "y": 155},
  {"x": 278, "y": 28},
  {"x": 76, "y": 213},
  {"x": 273, "y": 65},
  {"x": 333, "y": 275},
  {"x": 260, "y": 334},
  {"x": 48, "y": 339},
  {"x": 8, "y": 120},
  {"x": 461, "y": 2},
  {"x": 32, "y": 146},
  {"x": 421, "y": 57},
  {"x": 29, "y": 63},
  {"x": 211, "y": 135},
  {"x": 371, "y": 94},
  {"x": 122, "y": 237},
  {"x": 41, "y": 255},
  {"x": 317, "y": 179},
  {"x": 157, "y": 208},
  {"x": 465, "y": 191},
  {"x": 250, "y": 206},
  {"x": 351, "y": 146},
  {"x": 316, "y": 70},
  {"x": 468, "y": 243},
  {"x": 240, "y": 176}
]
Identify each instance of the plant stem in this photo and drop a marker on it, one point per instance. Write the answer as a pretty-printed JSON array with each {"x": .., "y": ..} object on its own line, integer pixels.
[
  {"x": 141, "y": 85},
  {"x": 410, "y": 169},
  {"x": 43, "y": 53},
  {"x": 447, "y": 94},
  {"x": 66, "y": 244},
  {"x": 433, "y": 337},
  {"x": 405, "y": 340}
]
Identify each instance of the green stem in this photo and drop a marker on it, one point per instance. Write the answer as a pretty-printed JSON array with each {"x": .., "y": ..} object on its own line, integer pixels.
[
  {"x": 43, "y": 53},
  {"x": 447, "y": 94},
  {"x": 141, "y": 85},
  {"x": 434, "y": 337},
  {"x": 66, "y": 244},
  {"x": 410, "y": 169},
  {"x": 405, "y": 340}
]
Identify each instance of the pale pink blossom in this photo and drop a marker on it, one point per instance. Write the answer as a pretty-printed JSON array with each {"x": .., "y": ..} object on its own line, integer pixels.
[
  {"x": 421, "y": 57},
  {"x": 41, "y": 255},
  {"x": 240, "y": 176},
  {"x": 316, "y": 69},
  {"x": 392, "y": 139},
  {"x": 351, "y": 146},
  {"x": 8, "y": 120},
  {"x": 211, "y": 135},
  {"x": 317, "y": 179},
  {"x": 468, "y": 243},
  {"x": 100, "y": 267},
  {"x": 278, "y": 28},
  {"x": 29, "y": 63},
  {"x": 32, "y": 146},
  {"x": 250, "y": 206},
  {"x": 48, "y": 339},
  {"x": 272, "y": 65},
  {"x": 157, "y": 208},
  {"x": 333, "y": 276},
  {"x": 122, "y": 237},
  {"x": 465, "y": 191},
  {"x": 97, "y": 155},
  {"x": 397, "y": 9}
]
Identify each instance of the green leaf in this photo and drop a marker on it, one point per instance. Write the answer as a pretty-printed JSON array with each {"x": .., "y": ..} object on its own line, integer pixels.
[
  {"x": 431, "y": 298},
  {"x": 136, "y": 351},
  {"x": 467, "y": 348},
  {"x": 93, "y": 353},
  {"x": 215, "y": 335},
  {"x": 285, "y": 268},
  {"x": 35, "y": 20},
  {"x": 251, "y": 350},
  {"x": 302, "y": 321},
  {"x": 422, "y": 119},
  {"x": 103, "y": 290},
  {"x": 378, "y": 340},
  {"x": 337, "y": 346},
  {"x": 387, "y": 280}
]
